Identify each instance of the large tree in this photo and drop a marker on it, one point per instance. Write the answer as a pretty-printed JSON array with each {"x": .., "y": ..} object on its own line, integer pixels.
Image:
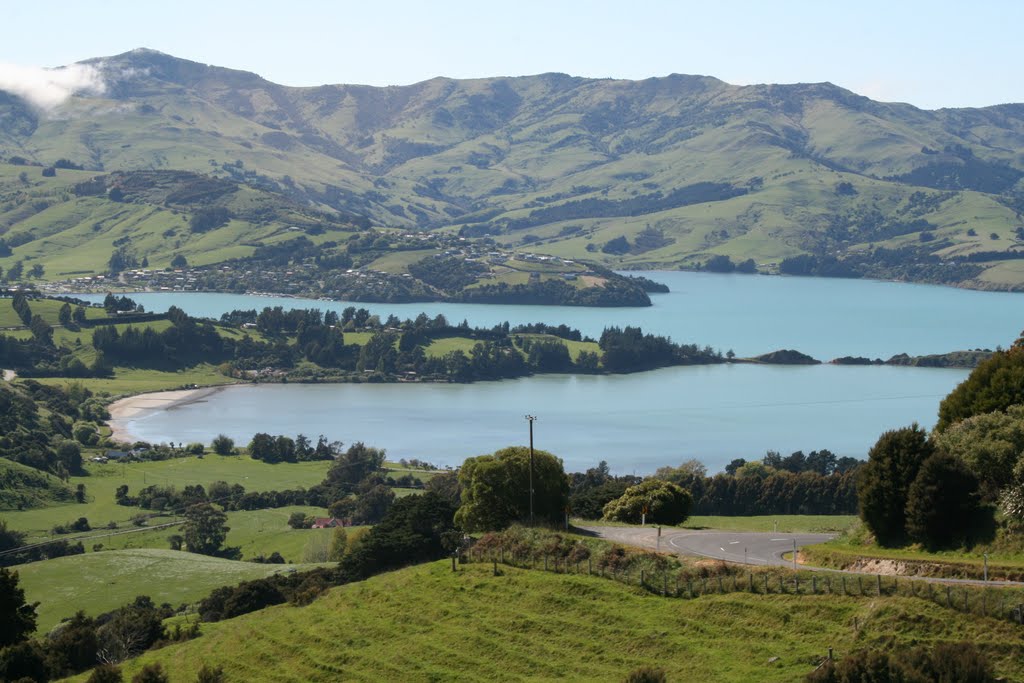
[
  {"x": 205, "y": 530},
  {"x": 353, "y": 466},
  {"x": 992, "y": 444},
  {"x": 657, "y": 501},
  {"x": 18, "y": 618},
  {"x": 496, "y": 489},
  {"x": 996, "y": 384},
  {"x": 884, "y": 482},
  {"x": 943, "y": 506}
]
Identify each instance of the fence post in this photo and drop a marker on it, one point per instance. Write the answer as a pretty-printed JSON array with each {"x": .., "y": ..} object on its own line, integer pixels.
[
  {"x": 689, "y": 588},
  {"x": 879, "y": 577},
  {"x": 844, "y": 585},
  {"x": 664, "y": 585},
  {"x": 766, "y": 584},
  {"x": 860, "y": 585},
  {"x": 677, "y": 585},
  {"x": 796, "y": 584},
  {"x": 750, "y": 580},
  {"x": 495, "y": 567},
  {"x": 949, "y": 596},
  {"x": 814, "y": 585},
  {"x": 590, "y": 566},
  {"x": 502, "y": 551},
  {"x": 967, "y": 604},
  {"x": 545, "y": 563},
  {"x": 453, "y": 562},
  {"x": 704, "y": 586},
  {"x": 720, "y": 588},
  {"x": 782, "y": 585},
  {"x": 642, "y": 577}
]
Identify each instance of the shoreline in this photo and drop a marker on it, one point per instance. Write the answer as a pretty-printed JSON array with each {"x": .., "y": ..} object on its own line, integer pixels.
[{"x": 124, "y": 410}]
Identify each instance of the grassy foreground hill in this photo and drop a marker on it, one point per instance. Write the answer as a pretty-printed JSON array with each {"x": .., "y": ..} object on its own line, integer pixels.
[
  {"x": 664, "y": 172},
  {"x": 426, "y": 623}
]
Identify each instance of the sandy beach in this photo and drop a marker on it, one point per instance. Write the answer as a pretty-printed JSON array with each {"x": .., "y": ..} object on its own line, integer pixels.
[{"x": 124, "y": 410}]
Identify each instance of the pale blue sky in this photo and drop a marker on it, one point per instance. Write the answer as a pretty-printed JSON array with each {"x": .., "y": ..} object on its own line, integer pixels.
[{"x": 931, "y": 54}]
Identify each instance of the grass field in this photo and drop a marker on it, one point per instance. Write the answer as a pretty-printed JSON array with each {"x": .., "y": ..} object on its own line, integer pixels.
[
  {"x": 139, "y": 380},
  {"x": 428, "y": 624},
  {"x": 103, "y": 481},
  {"x": 100, "y": 582},
  {"x": 842, "y": 554}
]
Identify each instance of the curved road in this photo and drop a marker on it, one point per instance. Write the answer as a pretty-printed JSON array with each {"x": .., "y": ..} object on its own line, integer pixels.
[
  {"x": 739, "y": 547},
  {"x": 764, "y": 549}
]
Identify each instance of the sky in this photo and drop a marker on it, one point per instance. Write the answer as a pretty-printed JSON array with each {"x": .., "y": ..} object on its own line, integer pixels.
[{"x": 931, "y": 54}]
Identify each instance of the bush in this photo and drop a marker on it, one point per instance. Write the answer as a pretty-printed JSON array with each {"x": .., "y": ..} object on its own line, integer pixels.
[
  {"x": 106, "y": 673},
  {"x": 223, "y": 445},
  {"x": 960, "y": 662},
  {"x": 151, "y": 673},
  {"x": 195, "y": 448},
  {"x": 646, "y": 674},
  {"x": 210, "y": 674}
]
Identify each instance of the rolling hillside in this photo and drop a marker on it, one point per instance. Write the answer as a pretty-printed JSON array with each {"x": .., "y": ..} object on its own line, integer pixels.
[
  {"x": 683, "y": 167},
  {"x": 427, "y": 624}
]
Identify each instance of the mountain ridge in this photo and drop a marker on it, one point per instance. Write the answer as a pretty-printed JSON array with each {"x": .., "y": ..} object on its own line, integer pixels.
[{"x": 564, "y": 165}]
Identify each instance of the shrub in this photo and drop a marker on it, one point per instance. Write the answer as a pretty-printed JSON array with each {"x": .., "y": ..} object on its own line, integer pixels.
[
  {"x": 646, "y": 674},
  {"x": 151, "y": 673},
  {"x": 106, "y": 673},
  {"x": 223, "y": 445}
]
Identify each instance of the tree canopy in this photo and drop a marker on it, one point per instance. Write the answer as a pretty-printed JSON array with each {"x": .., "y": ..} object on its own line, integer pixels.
[
  {"x": 996, "y": 384},
  {"x": 661, "y": 501},
  {"x": 496, "y": 489},
  {"x": 884, "y": 483}
]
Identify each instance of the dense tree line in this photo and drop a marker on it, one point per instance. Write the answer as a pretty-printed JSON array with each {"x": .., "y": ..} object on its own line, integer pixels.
[
  {"x": 750, "y": 488},
  {"x": 628, "y": 349}
]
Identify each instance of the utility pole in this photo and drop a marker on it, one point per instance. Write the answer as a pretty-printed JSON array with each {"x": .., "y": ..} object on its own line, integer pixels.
[{"x": 530, "y": 419}]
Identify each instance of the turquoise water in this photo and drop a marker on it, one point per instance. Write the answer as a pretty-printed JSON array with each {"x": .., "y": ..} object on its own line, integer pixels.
[
  {"x": 749, "y": 314},
  {"x": 640, "y": 422},
  {"x": 636, "y": 422}
]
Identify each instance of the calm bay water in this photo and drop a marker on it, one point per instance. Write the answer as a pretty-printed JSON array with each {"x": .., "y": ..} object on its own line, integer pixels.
[
  {"x": 640, "y": 422},
  {"x": 750, "y": 314},
  {"x": 636, "y": 422}
]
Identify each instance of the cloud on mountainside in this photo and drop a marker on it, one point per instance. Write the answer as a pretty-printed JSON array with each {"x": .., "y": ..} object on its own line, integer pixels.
[{"x": 48, "y": 88}]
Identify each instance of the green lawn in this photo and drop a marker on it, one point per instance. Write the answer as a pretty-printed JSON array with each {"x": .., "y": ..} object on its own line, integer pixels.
[
  {"x": 100, "y": 582},
  {"x": 427, "y": 624},
  {"x": 844, "y": 553}
]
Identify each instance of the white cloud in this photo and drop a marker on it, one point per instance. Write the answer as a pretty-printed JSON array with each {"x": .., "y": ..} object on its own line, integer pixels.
[{"x": 48, "y": 88}]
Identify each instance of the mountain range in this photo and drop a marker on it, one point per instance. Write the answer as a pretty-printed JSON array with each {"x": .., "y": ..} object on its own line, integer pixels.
[{"x": 680, "y": 171}]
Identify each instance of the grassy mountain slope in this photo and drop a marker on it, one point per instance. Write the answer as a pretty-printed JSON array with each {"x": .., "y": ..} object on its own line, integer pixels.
[
  {"x": 692, "y": 166},
  {"x": 425, "y": 623}
]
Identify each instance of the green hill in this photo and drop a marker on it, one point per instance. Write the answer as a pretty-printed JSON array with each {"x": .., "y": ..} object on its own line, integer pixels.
[
  {"x": 426, "y": 623},
  {"x": 23, "y": 487},
  {"x": 683, "y": 167},
  {"x": 100, "y": 582}
]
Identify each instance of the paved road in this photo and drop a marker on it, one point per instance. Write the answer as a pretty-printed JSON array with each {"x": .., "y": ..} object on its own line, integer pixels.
[{"x": 751, "y": 548}]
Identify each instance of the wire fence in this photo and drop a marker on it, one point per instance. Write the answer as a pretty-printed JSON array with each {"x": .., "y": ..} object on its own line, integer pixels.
[{"x": 995, "y": 602}]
